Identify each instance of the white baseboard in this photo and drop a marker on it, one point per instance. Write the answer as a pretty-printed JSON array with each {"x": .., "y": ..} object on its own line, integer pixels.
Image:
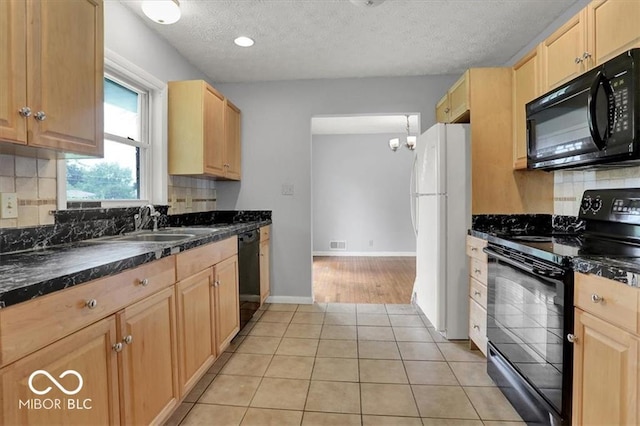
[
  {"x": 366, "y": 253},
  {"x": 290, "y": 299}
]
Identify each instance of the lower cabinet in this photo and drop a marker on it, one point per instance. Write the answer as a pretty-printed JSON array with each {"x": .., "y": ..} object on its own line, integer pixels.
[
  {"x": 148, "y": 359},
  {"x": 265, "y": 271},
  {"x": 85, "y": 361},
  {"x": 196, "y": 327},
  {"x": 225, "y": 296}
]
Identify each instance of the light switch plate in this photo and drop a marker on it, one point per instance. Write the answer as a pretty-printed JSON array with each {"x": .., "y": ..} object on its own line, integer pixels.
[
  {"x": 287, "y": 189},
  {"x": 9, "y": 205}
]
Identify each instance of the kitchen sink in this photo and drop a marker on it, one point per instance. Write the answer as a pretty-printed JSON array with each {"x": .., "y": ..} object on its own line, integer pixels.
[{"x": 153, "y": 237}]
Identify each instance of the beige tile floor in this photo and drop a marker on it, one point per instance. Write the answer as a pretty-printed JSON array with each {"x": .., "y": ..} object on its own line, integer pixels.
[{"x": 345, "y": 364}]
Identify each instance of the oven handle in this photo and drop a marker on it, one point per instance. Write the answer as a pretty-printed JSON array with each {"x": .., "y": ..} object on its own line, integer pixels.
[{"x": 548, "y": 275}]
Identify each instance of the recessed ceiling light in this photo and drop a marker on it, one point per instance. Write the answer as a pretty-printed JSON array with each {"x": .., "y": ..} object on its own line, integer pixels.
[
  {"x": 162, "y": 11},
  {"x": 244, "y": 41}
]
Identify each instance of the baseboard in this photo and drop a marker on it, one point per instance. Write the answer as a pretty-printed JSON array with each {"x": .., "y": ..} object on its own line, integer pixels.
[
  {"x": 290, "y": 299},
  {"x": 366, "y": 253}
]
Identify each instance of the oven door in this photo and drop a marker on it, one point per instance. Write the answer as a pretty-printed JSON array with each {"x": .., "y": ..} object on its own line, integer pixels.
[{"x": 529, "y": 310}]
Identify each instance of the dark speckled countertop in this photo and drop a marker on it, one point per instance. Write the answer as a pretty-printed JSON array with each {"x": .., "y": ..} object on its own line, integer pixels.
[{"x": 29, "y": 274}]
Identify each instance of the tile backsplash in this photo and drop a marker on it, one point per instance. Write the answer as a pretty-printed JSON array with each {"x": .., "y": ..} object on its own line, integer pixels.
[
  {"x": 568, "y": 186},
  {"x": 34, "y": 181}
]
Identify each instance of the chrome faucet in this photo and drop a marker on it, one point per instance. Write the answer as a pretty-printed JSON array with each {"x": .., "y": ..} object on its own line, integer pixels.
[{"x": 141, "y": 219}]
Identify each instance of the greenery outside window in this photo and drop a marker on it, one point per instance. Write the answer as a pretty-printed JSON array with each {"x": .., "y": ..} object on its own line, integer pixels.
[{"x": 121, "y": 175}]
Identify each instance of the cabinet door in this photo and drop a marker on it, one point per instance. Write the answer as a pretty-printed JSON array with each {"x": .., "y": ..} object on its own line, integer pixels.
[
  {"x": 148, "y": 365},
  {"x": 232, "y": 141},
  {"x": 13, "y": 69},
  {"x": 613, "y": 28},
  {"x": 563, "y": 51},
  {"x": 226, "y": 301},
  {"x": 605, "y": 373},
  {"x": 89, "y": 353},
  {"x": 213, "y": 132},
  {"x": 526, "y": 87},
  {"x": 65, "y": 75},
  {"x": 459, "y": 100},
  {"x": 442, "y": 110},
  {"x": 196, "y": 348},
  {"x": 265, "y": 271}
]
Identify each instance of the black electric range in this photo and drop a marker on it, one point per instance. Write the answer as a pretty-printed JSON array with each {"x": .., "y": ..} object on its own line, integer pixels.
[{"x": 530, "y": 301}]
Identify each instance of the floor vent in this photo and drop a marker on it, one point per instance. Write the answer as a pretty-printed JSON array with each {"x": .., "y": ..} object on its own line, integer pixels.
[{"x": 337, "y": 245}]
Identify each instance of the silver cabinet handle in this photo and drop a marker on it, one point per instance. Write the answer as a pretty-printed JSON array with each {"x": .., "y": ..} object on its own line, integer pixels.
[
  {"x": 586, "y": 55},
  {"x": 216, "y": 283},
  {"x": 117, "y": 347},
  {"x": 596, "y": 299},
  {"x": 128, "y": 339},
  {"x": 578, "y": 60},
  {"x": 25, "y": 111},
  {"x": 477, "y": 293},
  {"x": 447, "y": 110},
  {"x": 40, "y": 116},
  {"x": 91, "y": 304},
  {"x": 476, "y": 327},
  {"x": 144, "y": 282},
  {"x": 474, "y": 248},
  {"x": 572, "y": 338},
  {"x": 476, "y": 271}
]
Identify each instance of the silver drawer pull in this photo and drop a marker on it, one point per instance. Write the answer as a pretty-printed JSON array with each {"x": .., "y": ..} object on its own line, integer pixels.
[
  {"x": 40, "y": 116},
  {"x": 476, "y": 271},
  {"x": 477, "y": 293},
  {"x": 596, "y": 299},
  {"x": 572, "y": 338},
  {"x": 128, "y": 339},
  {"x": 91, "y": 304},
  {"x": 474, "y": 248},
  {"x": 476, "y": 327},
  {"x": 117, "y": 347},
  {"x": 144, "y": 282}
]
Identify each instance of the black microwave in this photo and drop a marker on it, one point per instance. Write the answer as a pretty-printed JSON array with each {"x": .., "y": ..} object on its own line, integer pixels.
[{"x": 591, "y": 120}]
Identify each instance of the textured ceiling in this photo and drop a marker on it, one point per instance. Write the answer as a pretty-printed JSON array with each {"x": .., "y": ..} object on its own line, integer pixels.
[
  {"x": 306, "y": 39},
  {"x": 364, "y": 125}
]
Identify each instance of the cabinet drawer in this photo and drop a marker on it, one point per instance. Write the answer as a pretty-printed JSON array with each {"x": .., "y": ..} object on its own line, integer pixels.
[
  {"x": 478, "y": 270},
  {"x": 478, "y": 292},
  {"x": 475, "y": 246},
  {"x": 478, "y": 326},
  {"x": 199, "y": 258},
  {"x": 265, "y": 233},
  {"x": 29, "y": 326},
  {"x": 614, "y": 302}
]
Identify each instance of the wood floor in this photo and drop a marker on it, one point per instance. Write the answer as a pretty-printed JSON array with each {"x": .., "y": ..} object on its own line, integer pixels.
[{"x": 363, "y": 279}]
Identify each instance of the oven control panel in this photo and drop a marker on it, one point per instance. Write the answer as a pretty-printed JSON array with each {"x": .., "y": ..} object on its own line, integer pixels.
[{"x": 611, "y": 205}]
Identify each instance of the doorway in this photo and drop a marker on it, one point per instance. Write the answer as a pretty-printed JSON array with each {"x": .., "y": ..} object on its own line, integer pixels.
[{"x": 362, "y": 234}]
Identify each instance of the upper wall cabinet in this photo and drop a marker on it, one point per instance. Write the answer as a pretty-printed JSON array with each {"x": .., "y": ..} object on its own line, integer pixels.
[
  {"x": 614, "y": 27},
  {"x": 454, "y": 106},
  {"x": 599, "y": 32},
  {"x": 204, "y": 132},
  {"x": 51, "y": 74},
  {"x": 526, "y": 87}
]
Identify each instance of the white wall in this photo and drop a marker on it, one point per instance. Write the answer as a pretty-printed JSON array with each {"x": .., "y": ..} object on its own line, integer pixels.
[
  {"x": 276, "y": 149},
  {"x": 360, "y": 194}
]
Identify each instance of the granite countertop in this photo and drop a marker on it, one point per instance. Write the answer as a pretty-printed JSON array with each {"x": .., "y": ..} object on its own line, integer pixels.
[{"x": 29, "y": 274}]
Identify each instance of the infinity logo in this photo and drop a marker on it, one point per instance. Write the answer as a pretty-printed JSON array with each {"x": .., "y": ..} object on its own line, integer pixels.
[{"x": 55, "y": 382}]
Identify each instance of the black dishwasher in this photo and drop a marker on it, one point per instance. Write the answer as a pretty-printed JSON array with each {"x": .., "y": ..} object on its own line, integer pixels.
[{"x": 249, "y": 274}]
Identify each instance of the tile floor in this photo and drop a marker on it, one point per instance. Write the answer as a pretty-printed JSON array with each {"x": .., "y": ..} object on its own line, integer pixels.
[{"x": 345, "y": 364}]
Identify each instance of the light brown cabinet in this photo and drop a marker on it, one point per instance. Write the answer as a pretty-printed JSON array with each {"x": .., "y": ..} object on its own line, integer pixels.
[
  {"x": 148, "y": 359},
  {"x": 88, "y": 352},
  {"x": 454, "y": 107},
  {"x": 525, "y": 88},
  {"x": 196, "y": 328},
  {"x": 477, "y": 293},
  {"x": 227, "y": 305},
  {"x": 602, "y": 30},
  {"x": 53, "y": 80},
  {"x": 204, "y": 132},
  {"x": 483, "y": 97},
  {"x": 265, "y": 263},
  {"x": 606, "y": 371}
]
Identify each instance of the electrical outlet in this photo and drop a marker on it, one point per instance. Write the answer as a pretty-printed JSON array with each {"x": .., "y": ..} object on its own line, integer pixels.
[
  {"x": 370, "y": 243},
  {"x": 9, "y": 204},
  {"x": 287, "y": 189}
]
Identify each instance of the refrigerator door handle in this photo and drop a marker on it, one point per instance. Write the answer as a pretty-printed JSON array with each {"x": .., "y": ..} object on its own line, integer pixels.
[{"x": 413, "y": 196}]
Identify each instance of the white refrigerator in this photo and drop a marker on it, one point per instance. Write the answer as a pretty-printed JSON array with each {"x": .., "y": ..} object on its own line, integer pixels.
[{"x": 441, "y": 213}]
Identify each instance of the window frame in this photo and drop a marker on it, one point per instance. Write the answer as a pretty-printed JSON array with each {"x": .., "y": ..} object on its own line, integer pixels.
[{"x": 153, "y": 159}]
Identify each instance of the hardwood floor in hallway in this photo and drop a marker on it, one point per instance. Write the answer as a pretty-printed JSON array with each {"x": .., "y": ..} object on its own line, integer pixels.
[{"x": 363, "y": 279}]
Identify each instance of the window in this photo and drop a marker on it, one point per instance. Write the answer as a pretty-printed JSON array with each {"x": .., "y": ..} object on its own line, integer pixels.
[{"x": 122, "y": 173}]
